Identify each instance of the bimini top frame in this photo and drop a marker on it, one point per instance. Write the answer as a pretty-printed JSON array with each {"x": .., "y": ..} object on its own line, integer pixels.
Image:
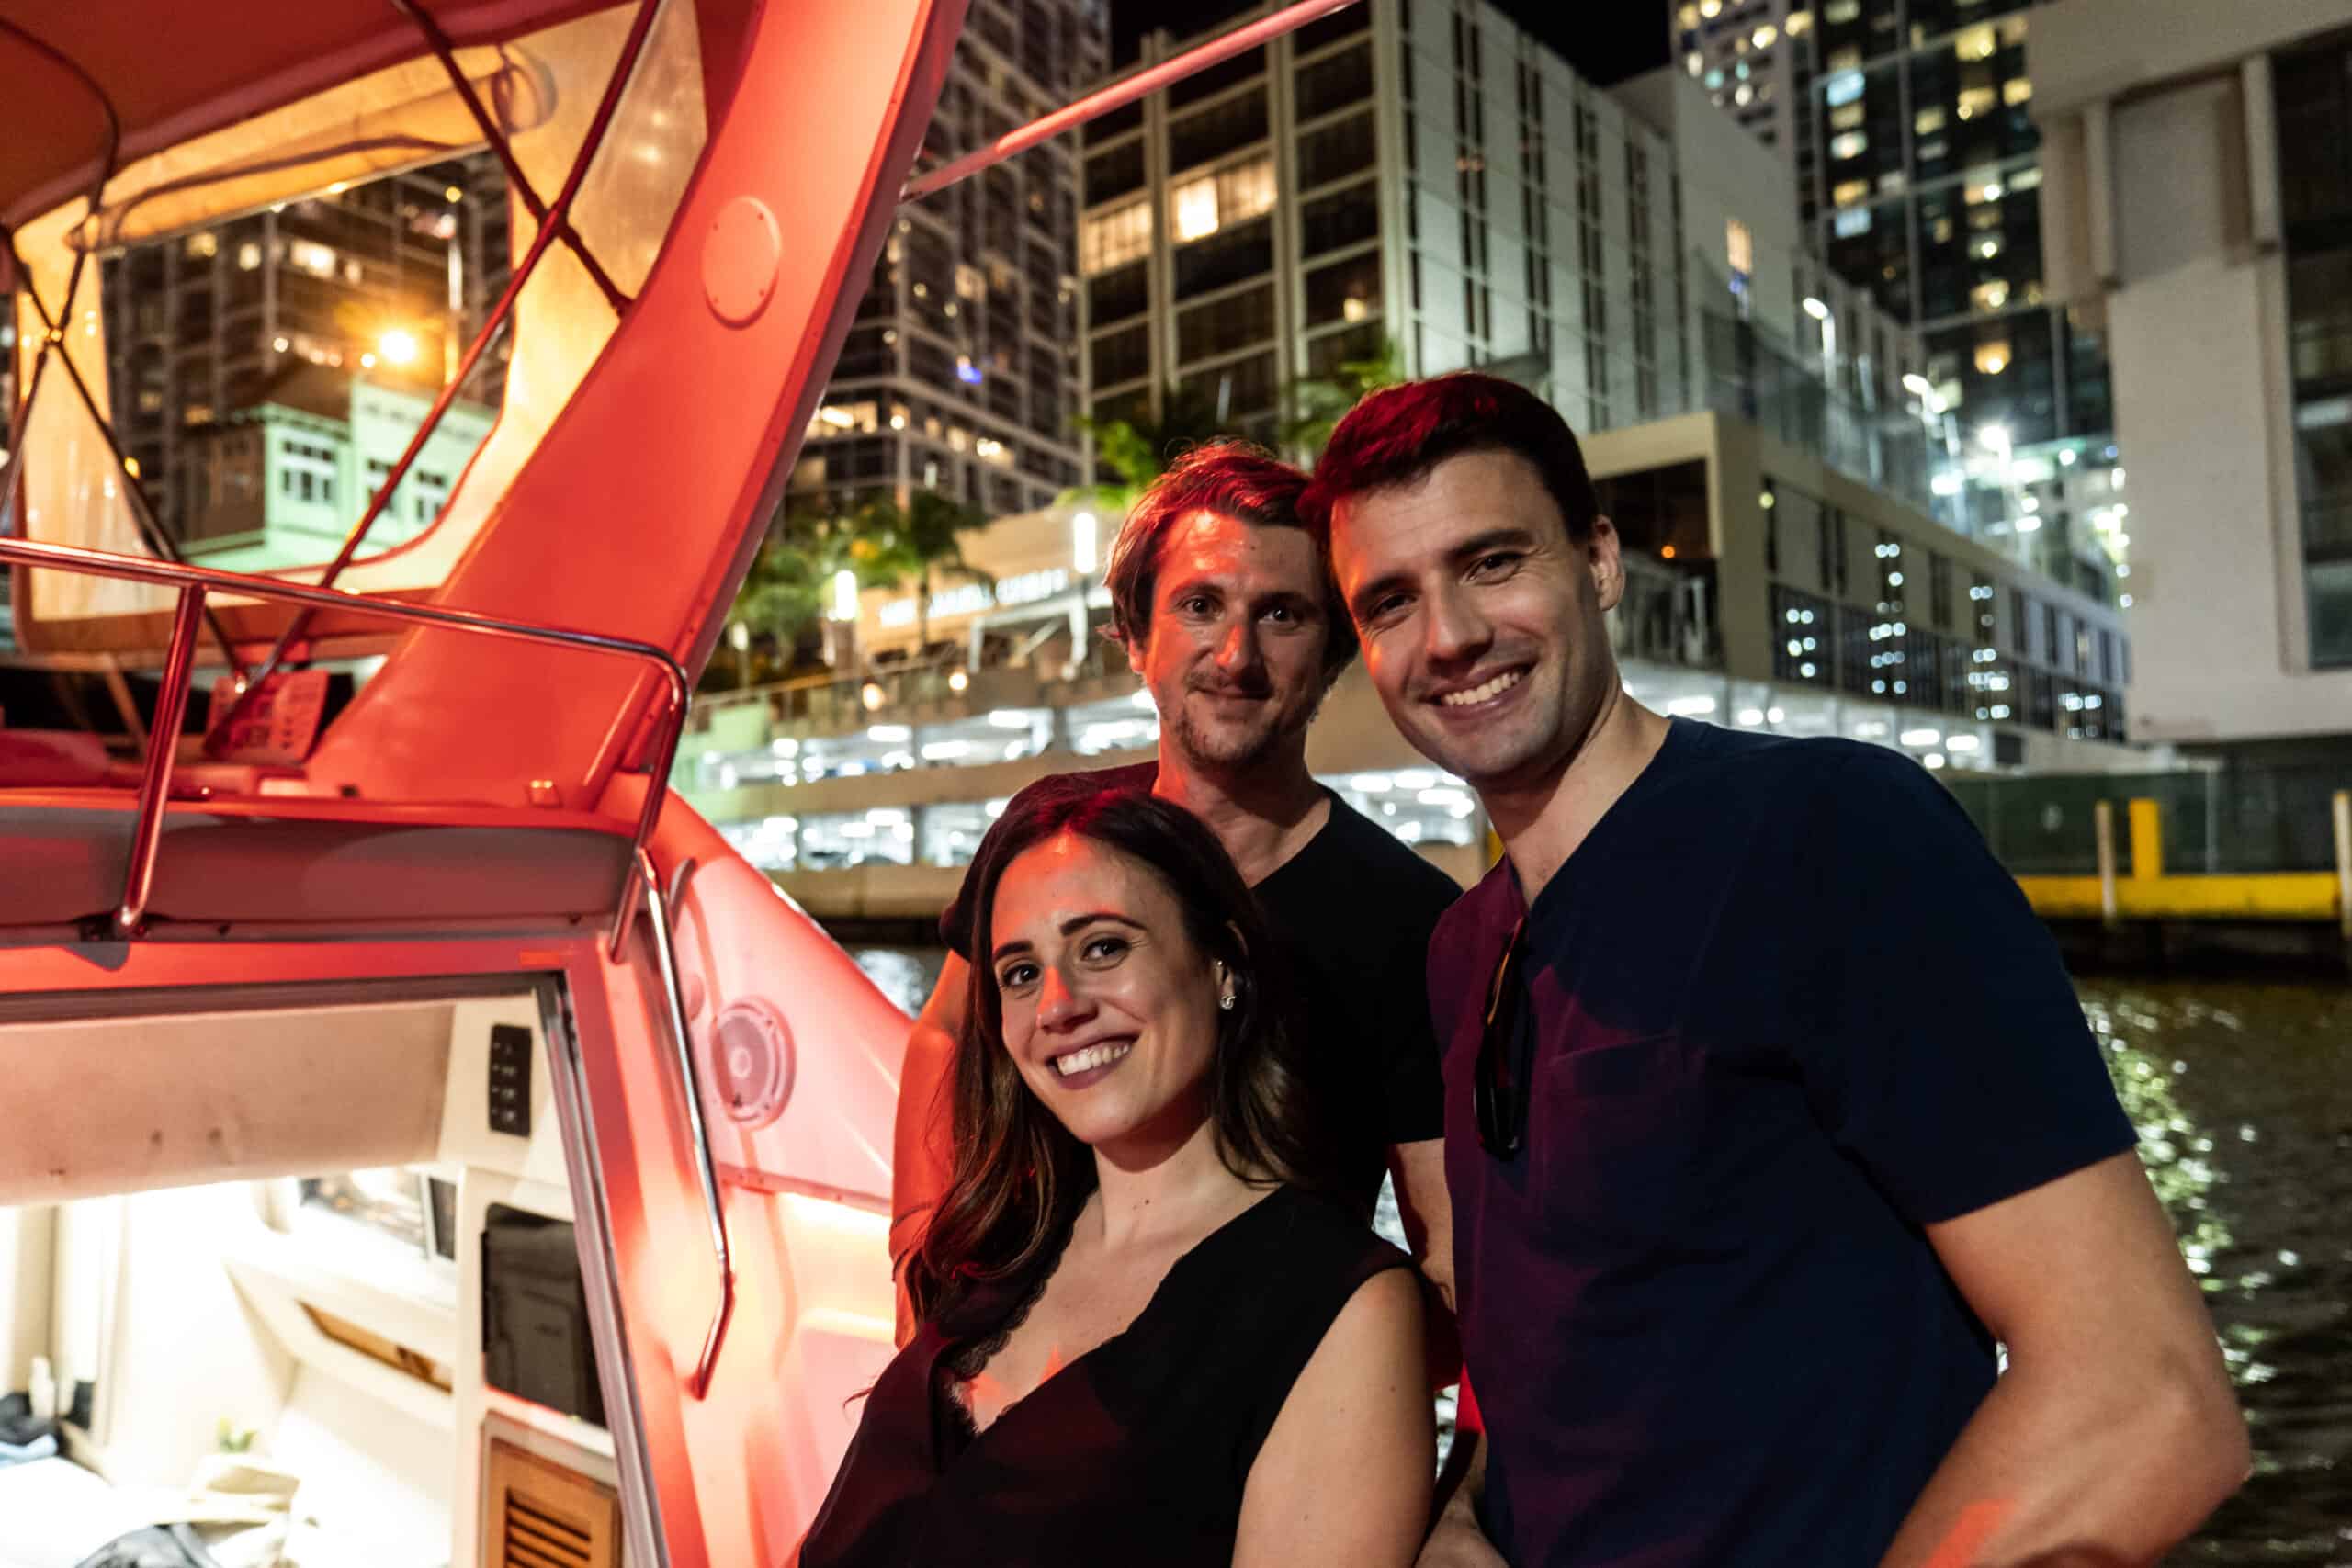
[{"x": 171, "y": 705}]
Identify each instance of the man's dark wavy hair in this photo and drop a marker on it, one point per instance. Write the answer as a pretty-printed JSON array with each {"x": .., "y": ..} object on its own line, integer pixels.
[
  {"x": 1019, "y": 1175},
  {"x": 1232, "y": 478},
  {"x": 1397, "y": 434}
]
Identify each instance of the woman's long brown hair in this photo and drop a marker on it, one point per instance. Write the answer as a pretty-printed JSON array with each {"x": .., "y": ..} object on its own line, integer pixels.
[{"x": 1020, "y": 1176}]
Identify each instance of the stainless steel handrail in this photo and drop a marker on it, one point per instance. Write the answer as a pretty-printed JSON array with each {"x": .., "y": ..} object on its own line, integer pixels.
[
  {"x": 194, "y": 583},
  {"x": 665, "y": 956}
]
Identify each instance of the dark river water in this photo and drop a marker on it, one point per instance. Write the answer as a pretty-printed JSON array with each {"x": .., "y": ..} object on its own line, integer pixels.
[{"x": 2243, "y": 1095}]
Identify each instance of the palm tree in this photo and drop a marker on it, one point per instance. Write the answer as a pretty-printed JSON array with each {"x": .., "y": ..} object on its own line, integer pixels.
[
  {"x": 1317, "y": 403},
  {"x": 1139, "y": 449},
  {"x": 890, "y": 544},
  {"x": 885, "y": 543}
]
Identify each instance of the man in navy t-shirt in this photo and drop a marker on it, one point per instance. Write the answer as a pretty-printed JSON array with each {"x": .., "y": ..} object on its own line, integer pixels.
[{"x": 1769, "y": 1106}]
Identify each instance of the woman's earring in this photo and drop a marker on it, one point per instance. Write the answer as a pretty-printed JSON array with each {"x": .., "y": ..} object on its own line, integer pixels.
[{"x": 1226, "y": 1000}]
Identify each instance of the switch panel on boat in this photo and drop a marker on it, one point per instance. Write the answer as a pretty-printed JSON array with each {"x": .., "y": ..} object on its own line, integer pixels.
[{"x": 510, "y": 1080}]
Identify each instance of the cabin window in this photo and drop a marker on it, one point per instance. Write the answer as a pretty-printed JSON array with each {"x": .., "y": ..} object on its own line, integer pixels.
[{"x": 403, "y": 1204}]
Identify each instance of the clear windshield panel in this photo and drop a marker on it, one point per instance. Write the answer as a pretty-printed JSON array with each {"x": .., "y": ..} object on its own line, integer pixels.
[{"x": 269, "y": 313}]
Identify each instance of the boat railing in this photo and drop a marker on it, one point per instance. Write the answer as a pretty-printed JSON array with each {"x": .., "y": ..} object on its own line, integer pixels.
[{"x": 195, "y": 584}]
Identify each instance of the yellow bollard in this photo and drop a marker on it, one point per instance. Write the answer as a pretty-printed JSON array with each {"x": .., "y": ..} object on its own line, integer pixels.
[
  {"x": 2147, "y": 840},
  {"x": 2103, "y": 824},
  {"x": 2341, "y": 809}
]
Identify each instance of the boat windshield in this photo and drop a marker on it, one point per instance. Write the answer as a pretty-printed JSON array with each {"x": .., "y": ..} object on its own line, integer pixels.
[{"x": 262, "y": 318}]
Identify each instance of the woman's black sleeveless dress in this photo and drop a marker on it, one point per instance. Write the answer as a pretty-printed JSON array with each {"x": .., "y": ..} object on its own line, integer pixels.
[{"x": 1136, "y": 1454}]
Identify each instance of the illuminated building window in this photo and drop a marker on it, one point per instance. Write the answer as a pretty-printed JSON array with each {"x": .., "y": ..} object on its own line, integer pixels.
[
  {"x": 1846, "y": 192},
  {"x": 1800, "y": 22},
  {"x": 1194, "y": 209},
  {"x": 1767, "y": 36},
  {"x": 1850, "y": 118},
  {"x": 1991, "y": 295},
  {"x": 2016, "y": 90},
  {"x": 1993, "y": 357},
  {"x": 1838, "y": 13},
  {"x": 1114, "y": 237},
  {"x": 1974, "y": 43},
  {"x": 1689, "y": 16},
  {"x": 248, "y": 256},
  {"x": 1850, "y": 144},
  {"x": 317, "y": 260},
  {"x": 1928, "y": 120},
  {"x": 1740, "y": 247},
  {"x": 202, "y": 246},
  {"x": 1199, "y": 208}
]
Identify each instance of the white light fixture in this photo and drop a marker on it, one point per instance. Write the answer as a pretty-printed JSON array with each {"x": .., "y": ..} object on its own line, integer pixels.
[
  {"x": 1751, "y": 715},
  {"x": 1691, "y": 708},
  {"x": 1142, "y": 699},
  {"x": 1372, "y": 784},
  {"x": 1815, "y": 309},
  {"x": 1081, "y": 542},
  {"x": 1916, "y": 385},
  {"x": 1962, "y": 743},
  {"x": 946, "y": 751},
  {"x": 889, "y": 734},
  {"x": 885, "y": 815},
  {"x": 1008, "y": 719},
  {"x": 1774, "y": 716},
  {"x": 1922, "y": 738},
  {"x": 846, "y": 595}
]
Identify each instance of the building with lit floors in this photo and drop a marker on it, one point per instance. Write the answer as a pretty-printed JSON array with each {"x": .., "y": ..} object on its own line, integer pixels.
[
  {"x": 388, "y": 279},
  {"x": 1746, "y": 54},
  {"x": 1911, "y": 131},
  {"x": 960, "y": 373},
  {"x": 2197, "y": 201},
  {"x": 1425, "y": 175}
]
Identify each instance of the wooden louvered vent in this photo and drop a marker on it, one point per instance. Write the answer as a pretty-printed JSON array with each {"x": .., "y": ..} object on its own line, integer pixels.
[{"x": 542, "y": 1515}]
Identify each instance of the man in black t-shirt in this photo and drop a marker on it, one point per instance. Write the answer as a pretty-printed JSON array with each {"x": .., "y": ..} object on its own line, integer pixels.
[
  {"x": 1223, "y": 606},
  {"x": 1770, "y": 1109}
]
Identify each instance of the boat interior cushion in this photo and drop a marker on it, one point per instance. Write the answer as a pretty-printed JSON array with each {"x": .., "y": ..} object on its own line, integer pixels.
[{"x": 63, "y": 859}]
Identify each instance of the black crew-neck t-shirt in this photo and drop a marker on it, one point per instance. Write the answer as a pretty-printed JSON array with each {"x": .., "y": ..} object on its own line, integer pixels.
[
  {"x": 1783, "y": 1011},
  {"x": 1353, "y": 910}
]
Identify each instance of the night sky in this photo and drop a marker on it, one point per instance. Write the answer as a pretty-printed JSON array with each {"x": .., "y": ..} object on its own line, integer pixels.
[{"x": 1605, "y": 41}]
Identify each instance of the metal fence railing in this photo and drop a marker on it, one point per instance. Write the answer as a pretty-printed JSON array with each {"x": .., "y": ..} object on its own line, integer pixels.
[{"x": 2265, "y": 817}]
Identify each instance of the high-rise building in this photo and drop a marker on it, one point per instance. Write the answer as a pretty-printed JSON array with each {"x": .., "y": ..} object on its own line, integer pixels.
[
  {"x": 1746, "y": 54},
  {"x": 2198, "y": 201},
  {"x": 961, "y": 374},
  {"x": 1909, "y": 126},
  {"x": 389, "y": 278},
  {"x": 1414, "y": 176}
]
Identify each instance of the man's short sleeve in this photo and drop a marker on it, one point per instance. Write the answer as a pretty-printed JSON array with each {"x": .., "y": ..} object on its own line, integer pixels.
[{"x": 1953, "y": 1061}]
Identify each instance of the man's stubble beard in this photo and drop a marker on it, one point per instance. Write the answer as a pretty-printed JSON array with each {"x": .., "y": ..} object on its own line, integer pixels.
[{"x": 1253, "y": 750}]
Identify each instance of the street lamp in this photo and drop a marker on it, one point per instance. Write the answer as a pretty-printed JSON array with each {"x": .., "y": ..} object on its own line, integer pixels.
[{"x": 398, "y": 347}]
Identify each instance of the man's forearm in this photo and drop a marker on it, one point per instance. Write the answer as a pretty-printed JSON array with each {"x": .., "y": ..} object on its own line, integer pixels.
[{"x": 2067, "y": 1470}]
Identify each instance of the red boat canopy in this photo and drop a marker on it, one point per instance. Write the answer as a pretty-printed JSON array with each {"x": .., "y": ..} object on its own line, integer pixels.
[{"x": 172, "y": 70}]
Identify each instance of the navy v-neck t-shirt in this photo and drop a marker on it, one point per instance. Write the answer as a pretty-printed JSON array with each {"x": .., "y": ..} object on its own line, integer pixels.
[{"x": 1784, "y": 1011}]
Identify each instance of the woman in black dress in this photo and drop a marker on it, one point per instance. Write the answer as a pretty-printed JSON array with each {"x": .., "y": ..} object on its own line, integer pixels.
[{"x": 1146, "y": 1337}]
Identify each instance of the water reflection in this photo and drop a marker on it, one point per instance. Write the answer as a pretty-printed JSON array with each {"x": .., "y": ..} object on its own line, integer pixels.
[{"x": 2243, "y": 1096}]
